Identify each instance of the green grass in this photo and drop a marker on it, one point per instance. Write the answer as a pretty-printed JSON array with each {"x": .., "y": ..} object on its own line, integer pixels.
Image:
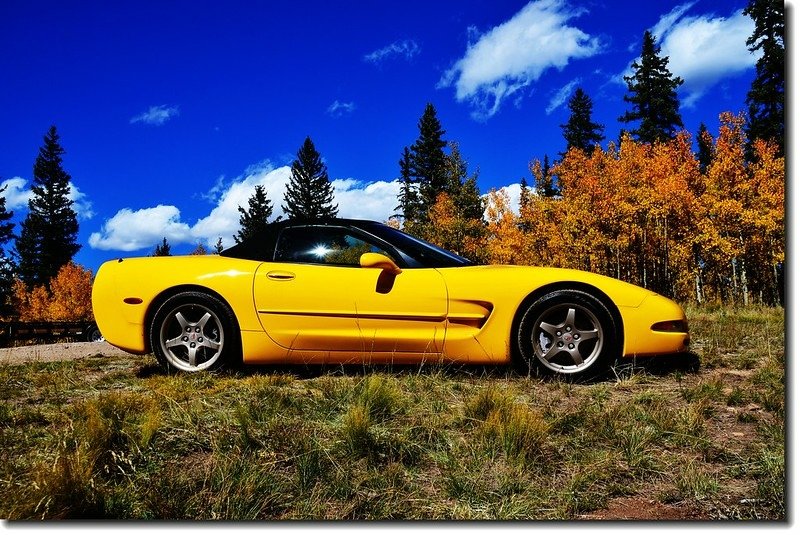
[{"x": 114, "y": 438}]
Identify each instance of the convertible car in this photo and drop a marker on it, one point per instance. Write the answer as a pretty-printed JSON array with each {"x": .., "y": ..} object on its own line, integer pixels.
[{"x": 350, "y": 291}]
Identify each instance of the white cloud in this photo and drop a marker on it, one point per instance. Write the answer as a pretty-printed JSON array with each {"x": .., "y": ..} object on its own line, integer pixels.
[
  {"x": 561, "y": 96},
  {"x": 516, "y": 53},
  {"x": 356, "y": 199},
  {"x": 406, "y": 49},
  {"x": 666, "y": 22},
  {"x": 337, "y": 109},
  {"x": 704, "y": 50},
  {"x": 513, "y": 192},
  {"x": 362, "y": 200},
  {"x": 18, "y": 194},
  {"x": 81, "y": 205},
  {"x": 223, "y": 221},
  {"x": 156, "y": 115},
  {"x": 131, "y": 230}
]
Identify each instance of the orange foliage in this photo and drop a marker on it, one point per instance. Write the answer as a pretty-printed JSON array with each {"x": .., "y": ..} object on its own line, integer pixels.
[
  {"x": 506, "y": 243},
  {"x": 646, "y": 214},
  {"x": 451, "y": 230},
  {"x": 69, "y": 297}
]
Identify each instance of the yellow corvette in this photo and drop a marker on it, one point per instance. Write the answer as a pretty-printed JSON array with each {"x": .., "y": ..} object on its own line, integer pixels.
[{"x": 349, "y": 291}]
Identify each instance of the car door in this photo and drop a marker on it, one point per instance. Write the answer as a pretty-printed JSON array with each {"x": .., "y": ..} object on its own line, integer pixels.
[{"x": 316, "y": 296}]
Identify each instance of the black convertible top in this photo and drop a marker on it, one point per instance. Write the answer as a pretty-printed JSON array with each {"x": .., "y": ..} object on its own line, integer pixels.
[
  {"x": 262, "y": 247},
  {"x": 412, "y": 251}
]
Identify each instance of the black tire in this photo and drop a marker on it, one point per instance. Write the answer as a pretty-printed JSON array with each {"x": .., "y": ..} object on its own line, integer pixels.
[
  {"x": 93, "y": 334},
  {"x": 568, "y": 333},
  {"x": 194, "y": 331}
]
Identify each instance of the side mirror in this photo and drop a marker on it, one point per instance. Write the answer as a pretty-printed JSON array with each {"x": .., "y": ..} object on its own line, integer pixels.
[{"x": 377, "y": 260}]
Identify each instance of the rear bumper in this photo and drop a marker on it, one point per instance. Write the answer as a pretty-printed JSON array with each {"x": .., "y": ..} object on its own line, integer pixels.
[{"x": 112, "y": 319}]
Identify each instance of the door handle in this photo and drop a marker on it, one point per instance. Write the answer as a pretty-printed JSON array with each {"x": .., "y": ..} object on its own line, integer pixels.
[{"x": 280, "y": 275}]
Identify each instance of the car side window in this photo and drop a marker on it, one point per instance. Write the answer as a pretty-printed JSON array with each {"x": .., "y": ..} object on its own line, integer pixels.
[{"x": 323, "y": 245}]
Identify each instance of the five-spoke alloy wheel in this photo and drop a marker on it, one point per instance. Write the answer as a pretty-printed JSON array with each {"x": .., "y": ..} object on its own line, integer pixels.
[
  {"x": 568, "y": 332},
  {"x": 193, "y": 331}
]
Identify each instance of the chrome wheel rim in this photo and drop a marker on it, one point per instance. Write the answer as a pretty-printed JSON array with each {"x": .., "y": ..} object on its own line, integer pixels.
[
  {"x": 567, "y": 338},
  {"x": 96, "y": 336},
  {"x": 191, "y": 337}
]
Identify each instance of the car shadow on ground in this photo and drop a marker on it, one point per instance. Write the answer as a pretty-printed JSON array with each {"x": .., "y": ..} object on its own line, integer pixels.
[{"x": 684, "y": 363}]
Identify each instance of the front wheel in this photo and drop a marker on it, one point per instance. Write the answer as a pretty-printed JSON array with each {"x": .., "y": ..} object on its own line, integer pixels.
[
  {"x": 569, "y": 333},
  {"x": 193, "y": 331}
]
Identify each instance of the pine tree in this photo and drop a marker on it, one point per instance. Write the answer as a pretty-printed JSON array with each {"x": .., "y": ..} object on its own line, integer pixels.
[
  {"x": 525, "y": 200},
  {"x": 6, "y": 226},
  {"x": 652, "y": 91},
  {"x": 309, "y": 193},
  {"x": 6, "y": 264},
  {"x": 461, "y": 186},
  {"x": 254, "y": 220},
  {"x": 524, "y": 194},
  {"x": 427, "y": 172},
  {"x": 48, "y": 236},
  {"x": 705, "y": 148},
  {"x": 162, "y": 249},
  {"x": 218, "y": 248},
  {"x": 765, "y": 99},
  {"x": 200, "y": 250},
  {"x": 580, "y": 131},
  {"x": 428, "y": 160},
  {"x": 408, "y": 197},
  {"x": 544, "y": 183},
  {"x": 455, "y": 220}
]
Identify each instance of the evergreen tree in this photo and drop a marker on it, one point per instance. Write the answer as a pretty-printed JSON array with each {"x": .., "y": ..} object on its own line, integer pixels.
[
  {"x": 6, "y": 226},
  {"x": 544, "y": 184},
  {"x": 6, "y": 264},
  {"x": 408, "y": 197},
  {"x": 455, "y": 221},
  {"x": 461, "y": 186},
  {"x": 200, "y": 250},
  {"x": 652, "y": 92},
  {"x": 524, "y": 194},
  {"x": 766, "y": 96},
  {"x": 525, "y": 200},
  {"x": 218, "y": 248},
  {"x": 428, "y": 160},
  {"x": 705, "y": 148},
  {"x": 427, "y": 171},
  {"x": 309, "y": 193},
  {"x": 48, "y": 236},
  {"x": 162, "y": 249},
  {"x": 254, "y": 220},
  {"x": 580, "y": 131}
]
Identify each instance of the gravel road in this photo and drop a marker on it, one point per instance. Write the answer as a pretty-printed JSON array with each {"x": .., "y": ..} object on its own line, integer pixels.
[{"x": 58, "y": 351}]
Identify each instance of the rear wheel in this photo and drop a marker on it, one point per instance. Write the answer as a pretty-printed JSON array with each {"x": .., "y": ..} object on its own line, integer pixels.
[
  {"x": 93, "y": 334},
  {"x": 569, "y": 333},
  {"x": 193, "y": 331}
]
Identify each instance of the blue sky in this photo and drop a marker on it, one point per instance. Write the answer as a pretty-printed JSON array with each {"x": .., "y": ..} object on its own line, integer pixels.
[{"x": 171, "y": 112}]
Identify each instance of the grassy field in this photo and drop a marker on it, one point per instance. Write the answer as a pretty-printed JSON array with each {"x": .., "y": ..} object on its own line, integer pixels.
[{"x": 115, "y": 438}]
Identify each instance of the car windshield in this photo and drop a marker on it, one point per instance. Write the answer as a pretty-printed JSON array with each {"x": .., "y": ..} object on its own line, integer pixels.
[{"x": 425, "y": 253}]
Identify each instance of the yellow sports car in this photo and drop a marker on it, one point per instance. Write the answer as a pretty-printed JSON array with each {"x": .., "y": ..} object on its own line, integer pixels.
[{"x": 349, "y": 291}]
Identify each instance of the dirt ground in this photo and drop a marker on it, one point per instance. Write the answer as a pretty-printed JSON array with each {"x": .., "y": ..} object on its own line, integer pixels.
[{"x": 57, "y": 351}]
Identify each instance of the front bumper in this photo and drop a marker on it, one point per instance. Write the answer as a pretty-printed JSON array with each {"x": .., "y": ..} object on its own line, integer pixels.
[{"x": 656, "y": 327}]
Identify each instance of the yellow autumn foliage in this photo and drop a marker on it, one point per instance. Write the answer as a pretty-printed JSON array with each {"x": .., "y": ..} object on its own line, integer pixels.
[
  {"x": 648, "y": 215},
  {"x": 68, "y": 298}
]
